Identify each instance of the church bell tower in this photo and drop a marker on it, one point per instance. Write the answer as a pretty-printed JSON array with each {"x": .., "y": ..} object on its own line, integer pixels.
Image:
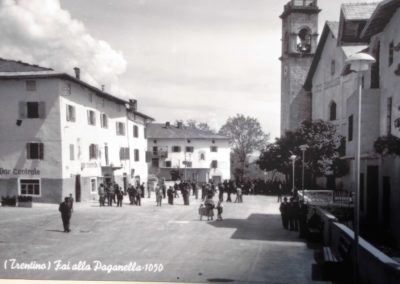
[{"x": 299, "y": 42}]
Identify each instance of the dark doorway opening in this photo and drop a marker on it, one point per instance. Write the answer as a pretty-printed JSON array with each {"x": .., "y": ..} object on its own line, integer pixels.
[{"x": 78, "y": 188}]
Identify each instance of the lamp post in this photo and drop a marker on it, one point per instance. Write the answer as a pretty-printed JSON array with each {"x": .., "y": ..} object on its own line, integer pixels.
[
  {"x": 303, "y": 149},
  {"x": 293, "y": 158},
  {"x": 359, "y": 62}
]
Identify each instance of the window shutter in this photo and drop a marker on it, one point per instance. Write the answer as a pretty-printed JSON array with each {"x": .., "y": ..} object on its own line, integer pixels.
[
  {"x": 28, "y": 151},
  {"x": 90, "y": 151},
  {"x": 116, "y": 127},
  {"x": 121, "y": 153},
  {"x": 101, "y": 120},
  {"x": 97, "y": 151},
  {"x": 22, "y": 110},
  {"x": 73, "y": 118},
  {"x": 94, "y": 118},
  {"x": 88, "y": 116},
  {"x": 67, "y": 113},
  {"x": 41, "y": 151},
  {"x": 42, "y": 109}
]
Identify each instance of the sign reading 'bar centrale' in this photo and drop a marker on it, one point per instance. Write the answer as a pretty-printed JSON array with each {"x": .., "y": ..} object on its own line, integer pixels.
[{"x": 32, "y": 172}]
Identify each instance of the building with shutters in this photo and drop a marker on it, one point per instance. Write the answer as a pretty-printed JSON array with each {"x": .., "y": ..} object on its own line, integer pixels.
[
  {"x": 61, "y": 136},
  {"x": 178, "y": 151}
]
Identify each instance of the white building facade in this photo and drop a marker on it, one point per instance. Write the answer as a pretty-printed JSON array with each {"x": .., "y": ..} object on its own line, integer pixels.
[
  {"x": 187, "y": 153},
  {"x": 61, "y": 136}
]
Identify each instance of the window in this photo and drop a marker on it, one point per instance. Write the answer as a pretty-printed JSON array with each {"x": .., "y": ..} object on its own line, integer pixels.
[
  {"x": 135, "y": 131},
  {"x": 389, "y": 116},
  {"x": 136, "y": 153},
  {"x": 176, "y": 149},
  {"x": 31, "y": 110},
  {"x": 34, "y": 151},
  {"x": 168, "y": 164},
  {"x": 155, "y": 162},
  {"x": 214, "y": 164},
  {"x": 304, "y": 41},
  {"x": 124, "y": 153},
  {"x": 332, "y": 111},
  {"x": 70, "y": 113},
  {"x": 29, "y": 187},
  {"x": 202, "y": 156},
  {"x": 93, "y": 151},
  {"x": 71, "y": 152},
  {"x": 187, "y": 164},
  {"x": 31, "y": 85},
  {"x": 214, "y": 149},
  {"x": 120, "y": 128},
  {"x": 350, "y": 128},
  {"x": 189, "y": 149},
  {"x": 93, "y": 187},
  {"x": 145, "y": 132},
  {"x": 91, "y": 117},
  {"x": 103, "y": 120},
  {"x": 391, "y": 51},
  {"x": 333, "y": 67},
  {"x": 155, "y": 150}
]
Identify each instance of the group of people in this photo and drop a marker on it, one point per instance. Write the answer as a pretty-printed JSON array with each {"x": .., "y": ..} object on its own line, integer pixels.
[
  {"x": 294, "y": 215},
  {"x": 136, "y": 193},
  {"x": 110, "y": 193}
]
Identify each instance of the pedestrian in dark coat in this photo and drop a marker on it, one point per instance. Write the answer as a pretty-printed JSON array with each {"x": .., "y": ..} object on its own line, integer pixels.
[
  {"x": 170, "y": 194},
  {"x": 284, "y": 208},
  {"x": 120, "y": 197},
  {"x": 66, "y": 212}
]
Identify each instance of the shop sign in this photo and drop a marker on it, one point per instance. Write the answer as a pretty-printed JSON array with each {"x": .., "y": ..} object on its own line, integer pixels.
[{"x": 18, "y": 172}]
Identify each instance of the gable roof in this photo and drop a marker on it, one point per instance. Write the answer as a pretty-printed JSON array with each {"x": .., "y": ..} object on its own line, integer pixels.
[
  {"x": 7, "y": 65},
  {"x": 329, "y": 28},
  {"x": 358, "y": 11},
  {"x": 380, "y": 18},
  {"x": 161, "y": 131}
]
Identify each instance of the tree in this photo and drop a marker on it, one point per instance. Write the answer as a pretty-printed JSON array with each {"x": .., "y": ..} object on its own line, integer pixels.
[
  {"x": 325, "y": 147},
  {"x": 192, "y": 123},
  {"x": 246, "y": 136}
]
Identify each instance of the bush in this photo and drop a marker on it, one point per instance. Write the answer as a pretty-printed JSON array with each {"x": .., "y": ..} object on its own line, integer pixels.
[
  {"x": 8, "y": 201},
  {"x": 22, "y": 198}
]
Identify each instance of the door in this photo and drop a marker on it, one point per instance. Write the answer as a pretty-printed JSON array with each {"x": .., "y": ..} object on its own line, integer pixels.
[{"x": 78, "y": 188}]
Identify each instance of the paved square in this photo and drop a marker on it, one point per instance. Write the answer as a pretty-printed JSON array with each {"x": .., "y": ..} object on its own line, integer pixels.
[{"x": 248, "y": 246}]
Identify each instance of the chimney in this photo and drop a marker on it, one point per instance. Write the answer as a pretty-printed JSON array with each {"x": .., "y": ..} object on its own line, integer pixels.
[
  {"x": 167, "y": 124},
  {"x": 77, "y": 73},
  {"x": 133, "y": 104}
]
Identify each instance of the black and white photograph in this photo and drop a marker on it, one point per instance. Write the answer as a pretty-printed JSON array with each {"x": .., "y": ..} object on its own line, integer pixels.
[{"x": 200, "y": 141}]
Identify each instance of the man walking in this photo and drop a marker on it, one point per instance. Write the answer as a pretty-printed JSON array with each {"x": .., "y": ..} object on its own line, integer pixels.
[{"x": 66, "y": 212}]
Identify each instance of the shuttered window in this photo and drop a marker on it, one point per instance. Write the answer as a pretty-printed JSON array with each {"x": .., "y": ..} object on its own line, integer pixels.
[
  {"x": 34, "y": 151},
  {"x": 32, "y": 110}
]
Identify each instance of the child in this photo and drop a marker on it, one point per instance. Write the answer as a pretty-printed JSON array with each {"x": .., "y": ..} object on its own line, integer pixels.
[{"x": 220, "y": 209}]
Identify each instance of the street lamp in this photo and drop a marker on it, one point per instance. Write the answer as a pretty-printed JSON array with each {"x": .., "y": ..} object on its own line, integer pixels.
[
  {"x": 293, "y": 158},
  {"x": 359, "y": 62},
  {"x": 303, "y": 149}
]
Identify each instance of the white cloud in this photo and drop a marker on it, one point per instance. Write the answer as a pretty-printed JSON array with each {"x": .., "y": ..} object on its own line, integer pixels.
[{"x": 41, "y": 32}]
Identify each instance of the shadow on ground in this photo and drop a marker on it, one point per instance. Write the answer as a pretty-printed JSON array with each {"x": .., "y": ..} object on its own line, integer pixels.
[{"x": 263, "y": 227}]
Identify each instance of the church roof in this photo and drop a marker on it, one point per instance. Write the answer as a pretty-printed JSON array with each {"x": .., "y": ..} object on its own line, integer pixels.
[
  {"x": 380, "y": 18},
  {"x": 358, "y": 11},
  {"x": 162, "y": 131}
]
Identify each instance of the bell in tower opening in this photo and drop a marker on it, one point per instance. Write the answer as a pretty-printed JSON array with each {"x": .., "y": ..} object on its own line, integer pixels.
[{"x": 304, "y": 41}]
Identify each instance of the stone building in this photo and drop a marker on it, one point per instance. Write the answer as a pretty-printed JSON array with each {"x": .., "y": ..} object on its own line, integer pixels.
[
  {"x": 299, "y": 42},
  {"x": 61, "y": 136},
  {"x": 190, "y": 153}
]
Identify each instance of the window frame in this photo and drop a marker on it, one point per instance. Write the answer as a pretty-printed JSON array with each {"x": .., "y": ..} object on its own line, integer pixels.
[
  {"x": 70, "y": 113},
  {"x": 136, "y": 155},
  {"x": 103, "y": 120},
  {"x": 91, "y": 114},
  {"x": 31, "y": 85},
  {"x": 120, "y": 128},
  {"x": 136, "y": 131},
  {"x": 176, "y": 149},
  {"x": 20, "y": 180},
  {"x": 212, "y": 148}
]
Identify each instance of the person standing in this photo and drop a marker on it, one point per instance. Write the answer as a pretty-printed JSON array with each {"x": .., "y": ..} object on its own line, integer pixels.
[
  {"x": 101, "y": 192},
  {"x": 220, "y": 209},
  {"x": 139, "y": 196},
  {"x": 142, "y": 188},
  {"x": 159, "y": 195},
  {"x": 170, "y": 194},
  {"x": 66, "y": 213},
  {"x": 120, "y": 197},
  {"x": 164, "y": 189},
  {"x": 284, "y": 208},
  {"x": 279, "y": 192},
  {"x": 71, "y": 202}
]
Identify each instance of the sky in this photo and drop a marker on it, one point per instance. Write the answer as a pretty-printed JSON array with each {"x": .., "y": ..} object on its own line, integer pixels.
[{"x": 206, "y": 60}]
